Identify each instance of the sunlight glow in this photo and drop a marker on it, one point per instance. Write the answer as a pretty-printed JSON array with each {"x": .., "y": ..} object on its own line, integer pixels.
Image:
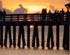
[
  {"x": 31, "y": 26},
  {"x": 58, "y": 4},
  {"x": 35, "y": 9}
]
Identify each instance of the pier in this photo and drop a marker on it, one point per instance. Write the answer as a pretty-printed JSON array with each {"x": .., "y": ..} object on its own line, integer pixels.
[{"x": 21, "y": 20}]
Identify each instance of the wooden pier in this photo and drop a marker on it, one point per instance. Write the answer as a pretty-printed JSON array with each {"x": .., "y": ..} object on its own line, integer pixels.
[{"x": 36, "y": 20}]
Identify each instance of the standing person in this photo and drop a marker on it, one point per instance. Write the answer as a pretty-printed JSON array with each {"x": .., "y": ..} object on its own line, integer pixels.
[
  {"x": 35, "y": 35},
  {"x": 62, "y": 15},
  {"x": 1, "y": 29},
  {"x": 50, "y": 33},
  {"x": 44, "y": 12},
  {"x": 21, "y": 32},
  {"x": 57, "y": 20},
  {"x": 14, "y": 32},
  {"x": 66, "y": 32},
  {"x": 7, "y": 30}
]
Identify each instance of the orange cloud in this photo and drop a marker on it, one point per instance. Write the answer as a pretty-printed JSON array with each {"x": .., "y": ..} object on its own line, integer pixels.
[{"x": 13, "y": 4}]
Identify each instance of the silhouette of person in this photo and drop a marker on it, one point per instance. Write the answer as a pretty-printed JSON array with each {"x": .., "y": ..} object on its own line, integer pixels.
[
  {"x": 7, "y": 30},
  {"x": 21, "y": 32},
  {"x": 66, "y": 32},
  {"x": 62, "y": 16},
  {"x": 4, "y": 13},
  {"x": 50, "y": 37},
  {"x": 1, "y": 30},
  {"x": 50, "y": 33},
  {"x": 14, "y": 32},
  {"x": 43, "y": 18},
  {"x": 44, "y": 14},
  {"x": 35, "y": 37},
  {"x": 57, "y": 19}
]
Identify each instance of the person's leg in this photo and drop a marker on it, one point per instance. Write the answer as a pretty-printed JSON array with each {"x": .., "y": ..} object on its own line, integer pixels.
[
  {"x": 5, "y": 40},
  {"x": 28, "y": 36}
]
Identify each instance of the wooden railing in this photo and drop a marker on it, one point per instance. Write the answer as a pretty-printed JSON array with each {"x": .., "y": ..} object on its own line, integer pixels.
[{"x": 36, "y": 20}]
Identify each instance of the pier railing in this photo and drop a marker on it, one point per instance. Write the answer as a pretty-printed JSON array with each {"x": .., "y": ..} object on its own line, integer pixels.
[{"x": 35, "y": 20}]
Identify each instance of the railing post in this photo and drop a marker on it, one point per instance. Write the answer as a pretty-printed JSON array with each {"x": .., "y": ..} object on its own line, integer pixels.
[
  {"x": 1, "y": 29},
  {"x": 8, "y": 30},
  {"x": 66, "y": 37},
  {"x": 42, "y": 41},
  {"x": 28, "y": 36},
  {"x": 1, "y": 35},
  {"x": 35, "y": 36},
  {"x": 21, "y": 32},
  {"x": 50, "y": 37},
  {"x": 14, "y": 36},
  {"x": 43, "y": 19},
  {"x": 57, "y": 36}
]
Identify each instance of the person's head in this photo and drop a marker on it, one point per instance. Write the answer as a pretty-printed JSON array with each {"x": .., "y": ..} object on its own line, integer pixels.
[
  {"x": 44, "y": 11},
  {"x": 4, "y": 12},
  {"x": 67, "y": 10},
  {"x": 49, "y": 11},
  {"x": 62, "y": 11},
  {"x": 56, "y": 11}
]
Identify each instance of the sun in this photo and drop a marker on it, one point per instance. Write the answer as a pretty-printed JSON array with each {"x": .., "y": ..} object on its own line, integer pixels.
[{"x": 35, "y": 9}]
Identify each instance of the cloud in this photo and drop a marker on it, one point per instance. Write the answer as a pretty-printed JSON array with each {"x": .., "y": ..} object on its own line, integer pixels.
[
  {"x": 20, "y": 10},
  {"x": 8, "y": 11},
  {"x": 52, "y": 8}
]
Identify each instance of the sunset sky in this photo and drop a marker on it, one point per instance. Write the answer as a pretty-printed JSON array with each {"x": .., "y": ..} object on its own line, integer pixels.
[{"x": 34, "y": 5}]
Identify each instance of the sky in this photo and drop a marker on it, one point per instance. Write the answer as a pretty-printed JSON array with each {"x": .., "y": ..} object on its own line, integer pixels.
[{"x": 34, "y": 5}]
